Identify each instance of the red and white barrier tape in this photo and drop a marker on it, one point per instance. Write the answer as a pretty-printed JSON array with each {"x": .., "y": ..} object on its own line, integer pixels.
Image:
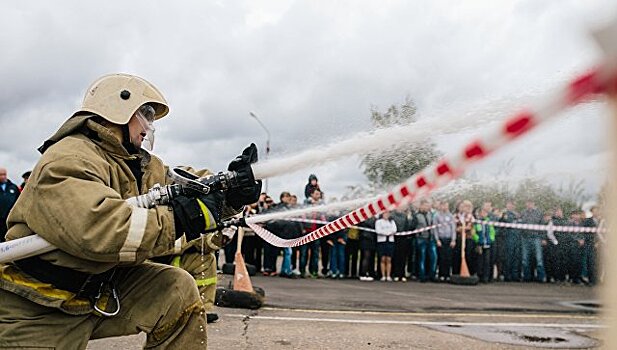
[
  {"x": 311, "y": 221},
  {"x": 400, "y": 233},
  {"x": 599, "y": 80},
  {"x": 550, "y": 227},
  {"x": 413, "y": 232}
]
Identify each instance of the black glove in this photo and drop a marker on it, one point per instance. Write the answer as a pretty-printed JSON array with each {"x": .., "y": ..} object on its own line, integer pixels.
[
  {"x": 197, "y": 215},
  {"x": 248, "y": 189}
]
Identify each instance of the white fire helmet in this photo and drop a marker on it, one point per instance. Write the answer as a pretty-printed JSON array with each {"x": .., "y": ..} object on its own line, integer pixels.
[{"x": 117, "y": 97}]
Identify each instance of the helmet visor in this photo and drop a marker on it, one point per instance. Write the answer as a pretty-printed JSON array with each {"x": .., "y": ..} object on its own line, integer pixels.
[{"x": 145, "y": 116}]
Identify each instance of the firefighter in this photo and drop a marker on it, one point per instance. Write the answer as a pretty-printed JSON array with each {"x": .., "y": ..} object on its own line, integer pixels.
[{"x": 99, "y": 282}]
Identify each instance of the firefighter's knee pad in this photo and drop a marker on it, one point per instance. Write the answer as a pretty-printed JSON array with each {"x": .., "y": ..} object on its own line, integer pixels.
[{"x": 178, "y": 283}]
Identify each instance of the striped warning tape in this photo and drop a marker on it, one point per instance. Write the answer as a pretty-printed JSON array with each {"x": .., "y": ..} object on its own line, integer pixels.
[
  {"x": 401, "y": 233},
  {"x": 521, "y": 226},
  {"x": 548, "y": 227}
]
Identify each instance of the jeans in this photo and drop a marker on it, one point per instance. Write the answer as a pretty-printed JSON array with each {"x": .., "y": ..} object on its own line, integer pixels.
[
  {"x": 286, "y": 266},
  {"x": 251, "y": 249},
  {"x": 313, "y": 247},
  {"x": 270, "y": 254},
  {"x": 337, "y": 259},
  {"x": 402, "y": 250},
  {"x": 325, "y": 255},
  {"x": 295, "y": 256},
  {"x": 351, "y": 257},
  {"x": 445, "y": 258},
  {"x": 367, "y": 266},
  {"x": 412, "y": 266},
  {"x": 484, "y": 266},
  {"x": 425, "y": 245},
  {"x": 588, "y": 259},
  {"x": 512, "y": 249},
  {"x": 230, "y": 250},
  {"x": 532, "y": 245}
]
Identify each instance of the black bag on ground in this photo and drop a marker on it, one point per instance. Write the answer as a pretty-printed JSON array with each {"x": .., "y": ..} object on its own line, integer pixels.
[{"x": 237, "y": 299}]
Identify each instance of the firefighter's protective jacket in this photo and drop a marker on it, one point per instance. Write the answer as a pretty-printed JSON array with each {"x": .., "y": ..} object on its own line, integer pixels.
[{"x": 76, "y": 200}]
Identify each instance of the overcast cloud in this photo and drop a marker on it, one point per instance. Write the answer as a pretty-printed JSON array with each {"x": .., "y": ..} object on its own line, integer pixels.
[{"x": 311, "y": 70}]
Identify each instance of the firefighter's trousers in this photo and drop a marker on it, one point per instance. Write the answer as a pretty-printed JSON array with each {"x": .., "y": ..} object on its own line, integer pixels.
[{"x": 157, "y": 299}]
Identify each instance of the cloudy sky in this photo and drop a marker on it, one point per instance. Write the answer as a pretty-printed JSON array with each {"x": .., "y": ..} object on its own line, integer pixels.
[{"x": 311, "y": 70}]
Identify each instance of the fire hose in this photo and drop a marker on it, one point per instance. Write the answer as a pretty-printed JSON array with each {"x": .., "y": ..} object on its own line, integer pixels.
[{"x": 185, "y": 183}]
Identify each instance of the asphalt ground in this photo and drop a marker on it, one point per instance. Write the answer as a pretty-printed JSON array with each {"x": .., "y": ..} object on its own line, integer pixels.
[{"x": 340, "y": 314}]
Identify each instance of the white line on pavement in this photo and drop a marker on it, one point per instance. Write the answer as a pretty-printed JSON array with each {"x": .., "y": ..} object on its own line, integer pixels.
[
  {"x": 422, "y": 323},
  {"x": 434, "y": 314}
]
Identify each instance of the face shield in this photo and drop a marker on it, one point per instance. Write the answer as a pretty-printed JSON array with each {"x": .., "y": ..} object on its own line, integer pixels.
[{"x": 145, "y": 116}]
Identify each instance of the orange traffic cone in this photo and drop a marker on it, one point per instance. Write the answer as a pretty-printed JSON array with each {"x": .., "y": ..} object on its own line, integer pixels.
[
  {"x": 243, "y": 295},
  {"x": 242, "y": 281}
]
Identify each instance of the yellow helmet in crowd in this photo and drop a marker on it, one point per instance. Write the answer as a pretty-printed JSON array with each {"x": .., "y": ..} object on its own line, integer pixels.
[{"x": 116, "y": 97}]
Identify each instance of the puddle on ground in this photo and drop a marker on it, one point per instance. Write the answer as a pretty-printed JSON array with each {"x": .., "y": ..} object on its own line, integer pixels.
[
  {"x": 540, "y": 337},
  {"x": 534, "y": 339}
]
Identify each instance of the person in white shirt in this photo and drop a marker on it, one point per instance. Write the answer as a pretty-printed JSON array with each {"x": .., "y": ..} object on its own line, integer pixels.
[{"x": 385, "y": 229}]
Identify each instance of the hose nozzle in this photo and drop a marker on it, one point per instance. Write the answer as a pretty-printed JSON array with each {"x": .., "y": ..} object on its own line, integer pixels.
[{"x": 223, "y": 181}]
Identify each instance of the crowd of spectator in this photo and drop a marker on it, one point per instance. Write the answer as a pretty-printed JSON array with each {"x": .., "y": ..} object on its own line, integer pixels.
[
  {"x": 377, "y": 250},
  {"x": 9, "y": 192}
]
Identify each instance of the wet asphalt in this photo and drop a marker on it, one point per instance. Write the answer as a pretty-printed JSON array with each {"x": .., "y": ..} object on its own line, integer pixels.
[{"x": 343, "y": 314}]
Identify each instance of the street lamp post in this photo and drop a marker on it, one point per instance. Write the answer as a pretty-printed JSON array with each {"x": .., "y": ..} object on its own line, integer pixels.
[{"x": 252, "y": 114}]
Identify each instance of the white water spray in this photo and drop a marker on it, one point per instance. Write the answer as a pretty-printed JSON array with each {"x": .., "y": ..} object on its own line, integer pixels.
[
  {"x": 381, "y": 139},
  {"x": 451, "y": 189},
  {"x": 307, "y": 210}
]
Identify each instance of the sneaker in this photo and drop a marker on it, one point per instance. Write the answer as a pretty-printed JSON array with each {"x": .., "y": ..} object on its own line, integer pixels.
[
  {"x": 362, "y": 278},
  {"x": 389, "y": 279},
  {"x": 442, "y": 278},
  {"x": 314, "y": 275},
  {"x": 396, "y": 279},
  {"x": 403, "y": 279},
  {"x": 295, "y": 272},
  {"x": 369, "y": 278},
  {"x": 383, "y": 279}
]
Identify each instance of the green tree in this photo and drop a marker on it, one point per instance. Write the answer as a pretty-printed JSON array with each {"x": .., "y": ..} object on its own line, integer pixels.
[
  {"x": 540, "y": 191},
  {"x": 388, "y": 167}
]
